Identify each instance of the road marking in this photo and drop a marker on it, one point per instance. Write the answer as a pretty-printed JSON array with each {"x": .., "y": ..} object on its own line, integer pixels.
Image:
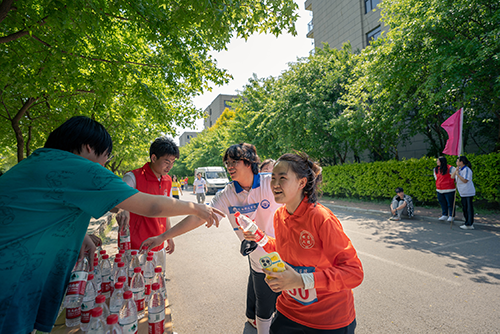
[
  {"x": 462, "y": 242},
  {"x": 420, "y": 272}
]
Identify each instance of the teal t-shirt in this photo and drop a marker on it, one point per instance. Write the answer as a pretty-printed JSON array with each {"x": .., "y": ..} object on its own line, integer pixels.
[{"x": 46, "y": 202}]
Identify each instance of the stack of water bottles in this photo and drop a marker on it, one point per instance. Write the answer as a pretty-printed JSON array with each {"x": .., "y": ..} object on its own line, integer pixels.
[{"x": 132, "y": 283}]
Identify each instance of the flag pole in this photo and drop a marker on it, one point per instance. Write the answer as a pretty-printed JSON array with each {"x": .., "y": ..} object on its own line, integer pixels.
[{"x": 460, "y": 146}]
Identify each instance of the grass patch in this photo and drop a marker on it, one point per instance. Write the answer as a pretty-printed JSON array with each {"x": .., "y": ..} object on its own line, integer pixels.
[{"x": 105, "y": 239}]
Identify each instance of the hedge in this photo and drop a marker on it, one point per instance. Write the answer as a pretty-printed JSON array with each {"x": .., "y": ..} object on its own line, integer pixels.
[{"x": 377, "y": 180}]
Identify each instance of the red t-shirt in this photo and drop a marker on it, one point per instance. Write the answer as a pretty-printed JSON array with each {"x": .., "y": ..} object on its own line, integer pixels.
[{"x": 313, "y": 240}]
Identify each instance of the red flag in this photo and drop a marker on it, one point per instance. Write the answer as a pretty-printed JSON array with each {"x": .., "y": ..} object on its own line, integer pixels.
[{"x": 453, "y": 126}]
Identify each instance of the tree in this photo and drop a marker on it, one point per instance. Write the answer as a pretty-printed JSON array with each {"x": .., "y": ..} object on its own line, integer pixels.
[{"x": 99, "y": 57}]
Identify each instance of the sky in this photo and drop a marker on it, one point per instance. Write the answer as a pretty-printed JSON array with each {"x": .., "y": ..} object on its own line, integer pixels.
[{"x": 264, "y": 55}]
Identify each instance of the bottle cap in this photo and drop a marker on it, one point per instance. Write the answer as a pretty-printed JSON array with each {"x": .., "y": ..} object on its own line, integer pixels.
[
  {"x": 127, "y": 295},
  {"x": 119, "y": 285},
  {"x": 121, "y": 264},
  {"x": 122, "y": 251},
  {"x": 105, "y": 256},
  {"x": 150, "y": 253},
  {"x": 118, "y": 259},
  {"x": 144, "y": 247},
  {"x": 100, "y": 299},
  {"x": 237, "y": 214},
  {"x": 96, "y": 312},
  {"x": 134, "y": 252},
  {"x": 137, "y": 269},
  {"x": 96, "y": 262},
  {"x": 102, "y": 252},
  {"x": 122, "y": 279},
  {"x": 112, "y": 319},
  {"x": 150, "y": 258},
  {"x": 155, "y": 286},
  {"x": 90, "y": 277},
  {"x": 158, "y": 270}
]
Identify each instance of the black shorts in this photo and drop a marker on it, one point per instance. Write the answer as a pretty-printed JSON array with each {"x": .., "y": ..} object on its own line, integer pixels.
[{"x": 283, "y": 325}]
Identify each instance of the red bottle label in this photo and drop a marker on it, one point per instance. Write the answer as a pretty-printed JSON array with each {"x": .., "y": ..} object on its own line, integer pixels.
[
  {"x": 147, "y": 289},
  {"x": 73, "y": 313},
  {"x": 106, "y": 286},
  {"x": 140, "y": 304},
  {"x": 86, "y": 317},
  {"x": 77, "y": 283}
]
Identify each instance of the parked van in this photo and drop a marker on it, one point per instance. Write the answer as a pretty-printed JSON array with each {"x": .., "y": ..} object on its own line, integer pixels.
[{"x": 216, "y": 178}]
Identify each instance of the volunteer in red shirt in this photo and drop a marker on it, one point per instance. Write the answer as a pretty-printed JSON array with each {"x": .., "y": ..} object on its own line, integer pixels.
[
  {"x": 321, "y": 263},
  {"x": 445, "y": 188}
]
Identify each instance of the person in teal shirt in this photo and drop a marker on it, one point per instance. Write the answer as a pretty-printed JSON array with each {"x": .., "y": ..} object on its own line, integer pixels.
[{"x": 46, "y": 202}]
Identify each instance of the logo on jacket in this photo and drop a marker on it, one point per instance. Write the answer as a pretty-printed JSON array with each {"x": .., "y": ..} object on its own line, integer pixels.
[
  {"x": 306, "y": 240},
  {"x": 265, "y": 204}
]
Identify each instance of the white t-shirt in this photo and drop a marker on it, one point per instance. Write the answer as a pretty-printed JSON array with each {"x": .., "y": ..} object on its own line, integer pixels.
[
  {"x": 465, "y": 189},
  {"x": 199, "y": 185},
  {"x": 258, "y": 204}
]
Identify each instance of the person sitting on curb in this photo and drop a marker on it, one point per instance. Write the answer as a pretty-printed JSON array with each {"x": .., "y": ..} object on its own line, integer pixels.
[{"x": 401, "y": 205}]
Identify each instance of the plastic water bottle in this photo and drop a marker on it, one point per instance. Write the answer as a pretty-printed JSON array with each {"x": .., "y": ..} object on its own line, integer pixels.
[
  {"x": 124, "y": 280},
  {"x": 97, "y": 323},
  {"x": 156, "y": 311},
  {"x": 88, "y": 303},
  {"x": 148, "y": 277},
  {"x": 106, "y": 275},
  {"x": 97, "y": 276},
  {"x": 116, "y": 301},
  {"x": 150, "y": 253},
  {"x": 100, "y": 301},
  {"x": 158, "y": 278},
  {"x": 248, "y": 225},
  {"x": 134, "y": 262},
  {"x": 128, "y": 314},
  {"x": 112, "y": 325},
  {"x": 101, "y": 253},
  {"x": 124, "y": 236},
  {"x": 143, "y": 257},
  {"x": 75, "y": 293},
  {"x": 138, "y": 288},
  {"x": 120, "y": 271},
  {"x": 118, "y": 259}
]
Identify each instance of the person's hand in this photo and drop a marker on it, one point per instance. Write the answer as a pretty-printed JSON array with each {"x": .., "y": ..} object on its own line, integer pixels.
[
  {"x": 88, "y": 249},
  {"x": 393, "y": 211},
  {"x": 170, "y": 246},
  {"x": 248, "y": 235},
  {"x": 152, "y": 242},
  {"x": 123, "y": 219},
  {"x": 96, "y": 240},
  {"x": 285, "y": 280},
  {"x": 209, "y": 214}
]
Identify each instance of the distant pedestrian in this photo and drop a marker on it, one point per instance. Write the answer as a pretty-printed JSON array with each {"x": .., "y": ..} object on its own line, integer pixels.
[
  {"x": 176, "y": 187},
  {"x": 445, "y": 188},
  {"x": 267, "y": 166},
  {"x": 401, "y": 205},
  {"x": 465, "y": 186},
  {"x": 199, "y": 188}
]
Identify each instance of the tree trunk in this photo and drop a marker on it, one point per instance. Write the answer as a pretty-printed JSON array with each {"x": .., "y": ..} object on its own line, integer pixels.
[{"x": 17, "y": 129}]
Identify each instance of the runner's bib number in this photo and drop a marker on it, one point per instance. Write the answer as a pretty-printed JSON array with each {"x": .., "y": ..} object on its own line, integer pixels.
[{"x": 303, "y": 296}]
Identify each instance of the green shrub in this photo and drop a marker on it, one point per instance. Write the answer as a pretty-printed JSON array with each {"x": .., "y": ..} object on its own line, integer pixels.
[{"x": 377, "y": 180}]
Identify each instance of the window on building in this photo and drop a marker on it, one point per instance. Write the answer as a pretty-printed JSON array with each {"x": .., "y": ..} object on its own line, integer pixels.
[
  {"x": 370, "y": 5},
  {"x": 210, "y": 111},
  {"x": 373, "y": 35}
]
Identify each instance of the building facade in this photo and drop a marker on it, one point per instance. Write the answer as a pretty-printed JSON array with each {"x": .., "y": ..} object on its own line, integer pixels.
[
  {"x": 185, "y": 138},
  {"x": 216, "y": 108}
]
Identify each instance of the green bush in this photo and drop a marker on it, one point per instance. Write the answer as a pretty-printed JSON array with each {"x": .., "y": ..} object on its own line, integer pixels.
[{"x": 377, "y": 180}]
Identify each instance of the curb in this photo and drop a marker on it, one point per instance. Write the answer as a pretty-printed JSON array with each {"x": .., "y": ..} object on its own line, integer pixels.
[{"x": 492, "y": 227}]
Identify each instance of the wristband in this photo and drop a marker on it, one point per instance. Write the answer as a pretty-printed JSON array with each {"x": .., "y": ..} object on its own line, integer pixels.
[{"x": 308, "y": 279}]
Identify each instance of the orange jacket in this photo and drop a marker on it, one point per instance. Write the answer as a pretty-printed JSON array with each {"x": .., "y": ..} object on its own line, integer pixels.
[{"x": 312, "y": 240}]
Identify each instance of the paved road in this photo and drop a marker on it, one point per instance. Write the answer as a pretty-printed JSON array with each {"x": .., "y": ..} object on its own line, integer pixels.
[{"x": 420, "y": 277}]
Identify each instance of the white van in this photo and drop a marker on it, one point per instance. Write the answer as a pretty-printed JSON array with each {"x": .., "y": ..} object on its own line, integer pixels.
[{"x": 216, "y": 178}]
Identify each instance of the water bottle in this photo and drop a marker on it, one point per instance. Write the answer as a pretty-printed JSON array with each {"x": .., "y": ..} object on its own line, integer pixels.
[
  {"x": 75, "y": 293},
  {"x": 112, "y": 325},
  {"x": 124, "y": 237},
  {"x": 118, "y": 259},
  {"x": 88, "y": 303},
  {"x": 116, "y": 301},
  {"x": 106, "y": 275},
  {"x": 249, "y": 226},
  {"x": 128, "y": 314},
  {"x": 137, "y": 286},
  {"x": 100, "y": 301},
  {"x": 125, "y": 257},
  {"x": 156, "y": 311},
  {"x": 143, "y": 257},
  {"x": 148, "y": 277},
  {"x": 124, "y": 280},
  {"x": 101, "y": 253},
  {"x": 97, "y": 276},
  {"x": 120, "y": 271},
  {"x": 158, "y": 278},
  {"x": 134, "y": 262},
  {"x": 97, "y": 324}
]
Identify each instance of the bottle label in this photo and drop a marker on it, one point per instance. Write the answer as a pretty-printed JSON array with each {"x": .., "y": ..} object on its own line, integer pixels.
[
  {"x": 106, "y": 287},
  {"x": 147, "y": 289},
  {"x": 73, "y": 313},
  {"x": 129, "y": 328},
  {"x": 77, "y": 283},
  {"x": 125, "y": 244},
  {"x": 156, "y": 322},
  {"x": 139, "y": 303},
  {"x": 262, "y": 241}
]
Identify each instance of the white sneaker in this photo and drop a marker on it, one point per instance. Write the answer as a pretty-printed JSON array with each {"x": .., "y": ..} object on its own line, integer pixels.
[
  {"x": 443, "y": 217},
  {"x": 467, "y": 227},
  {"x": 450, "y": 218}
]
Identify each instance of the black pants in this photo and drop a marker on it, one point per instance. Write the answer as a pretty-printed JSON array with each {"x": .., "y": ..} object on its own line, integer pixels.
[
  {"x": 468, "y": 210},
  {"x": 283, "y": 325},
  {"x": 261, "y": 300}
]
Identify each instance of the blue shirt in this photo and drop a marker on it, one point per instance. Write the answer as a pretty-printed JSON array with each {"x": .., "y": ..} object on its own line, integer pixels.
[{"x": 46, "y": 202}]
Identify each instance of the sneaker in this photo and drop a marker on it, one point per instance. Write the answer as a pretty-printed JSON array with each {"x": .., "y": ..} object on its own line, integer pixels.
[
  {"x": 395, "y": 218},
  {"x": 443, "y": 217},
  {"x": 252, "y": 322},
  {"x": 467, "y": 227},
  {"x": 450, "y": 219}
]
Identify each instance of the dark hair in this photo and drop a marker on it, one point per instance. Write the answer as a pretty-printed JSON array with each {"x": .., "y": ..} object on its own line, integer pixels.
[
  {"x": 267, "y": 162},
  {"x": 465, "y": 161},
  {"x": 78, "y": 131},
  {"x": 174, "y": 177},
  {"x": 164, "y": 146},
  {"x": 443, "y": 168},
  {"x": 399, "y": 190},
  {"x": 245, "y": 152},
  {"x": 303, "y": 166}
]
